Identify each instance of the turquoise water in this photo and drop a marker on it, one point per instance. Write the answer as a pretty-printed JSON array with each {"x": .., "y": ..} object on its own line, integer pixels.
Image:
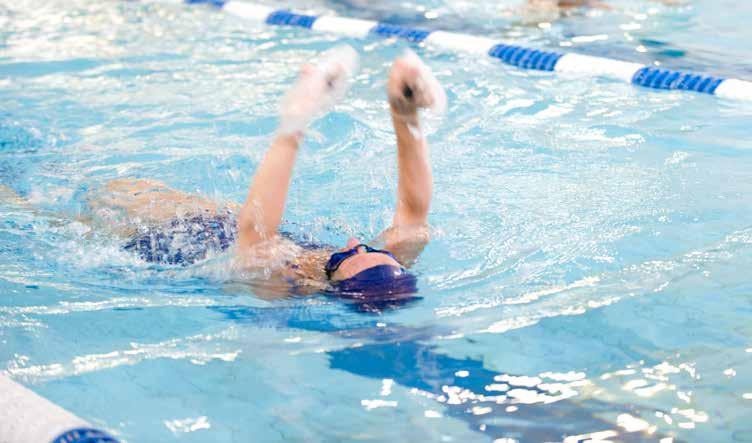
[{"x": 588, "y": 271}]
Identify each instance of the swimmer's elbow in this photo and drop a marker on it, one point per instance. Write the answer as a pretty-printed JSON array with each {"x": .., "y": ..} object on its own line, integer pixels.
[
  {"x": 415, "y": 234},
  {"x": 411, "y": 213}
]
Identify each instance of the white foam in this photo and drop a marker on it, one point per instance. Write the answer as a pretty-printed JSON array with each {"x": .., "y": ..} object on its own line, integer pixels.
[
  {"x": 181, "y": 426},
  {"x": 374, "y": 404}
]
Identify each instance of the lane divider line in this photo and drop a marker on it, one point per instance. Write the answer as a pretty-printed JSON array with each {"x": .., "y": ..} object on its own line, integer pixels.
[
  {"x": 26, "y": 417},
  {"x": 525, "y": 58}
]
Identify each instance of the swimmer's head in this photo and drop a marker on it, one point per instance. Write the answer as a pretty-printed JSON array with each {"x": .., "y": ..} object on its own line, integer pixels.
[
  {"x": 360, "y": 269},
  {"x": 356, "y": 257},
  {"x": 383, "y": 282}
]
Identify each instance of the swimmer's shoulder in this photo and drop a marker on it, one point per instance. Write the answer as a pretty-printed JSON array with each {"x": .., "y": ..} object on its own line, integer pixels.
[
  {"x": 286, "y": 257},
  {"x": 310, "y": 263},
  {"x": 406, "y": 242}
]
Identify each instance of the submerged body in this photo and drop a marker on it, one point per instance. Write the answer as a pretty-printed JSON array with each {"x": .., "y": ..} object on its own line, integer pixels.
[{"x": 167, "y": 226}]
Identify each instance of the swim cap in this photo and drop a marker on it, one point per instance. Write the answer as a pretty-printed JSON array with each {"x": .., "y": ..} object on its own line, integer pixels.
[{"x": 383, "y": 281}]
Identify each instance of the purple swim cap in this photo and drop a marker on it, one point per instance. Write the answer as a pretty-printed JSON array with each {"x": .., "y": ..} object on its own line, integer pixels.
[{"x": 381, "y": 281}]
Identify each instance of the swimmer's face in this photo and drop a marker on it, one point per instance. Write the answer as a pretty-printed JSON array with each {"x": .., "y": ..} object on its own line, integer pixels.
[{"x": 361, "y": 261}]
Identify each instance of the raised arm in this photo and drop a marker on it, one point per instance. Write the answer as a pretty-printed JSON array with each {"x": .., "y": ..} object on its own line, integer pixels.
[
  {"x": 415, "y": 185},
  {"x": 262, "y": 211},
  {"x": 411, "y": 86},
  {"x": 317, "y": 89}
]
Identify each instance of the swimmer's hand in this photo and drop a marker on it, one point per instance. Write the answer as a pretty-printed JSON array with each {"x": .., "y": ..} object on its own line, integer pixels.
[
  {"x": 412, "y": 86},
  {"x": 318, "y": 88}
]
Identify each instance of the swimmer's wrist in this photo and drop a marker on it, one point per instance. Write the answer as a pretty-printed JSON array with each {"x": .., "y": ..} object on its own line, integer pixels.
[
  {"x": 407, "y": 116},
  {"x": 290, "y": 138}
]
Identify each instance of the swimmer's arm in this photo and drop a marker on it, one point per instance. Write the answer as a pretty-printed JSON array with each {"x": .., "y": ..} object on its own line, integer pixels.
[
  {"x": 262, "y": 211},
  {"x": 415, "y": 185},
  {"x": 408, "y": 235}
]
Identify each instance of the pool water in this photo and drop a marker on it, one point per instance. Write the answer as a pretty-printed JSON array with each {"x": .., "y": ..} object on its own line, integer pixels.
[{"x": 588, "y": 272}]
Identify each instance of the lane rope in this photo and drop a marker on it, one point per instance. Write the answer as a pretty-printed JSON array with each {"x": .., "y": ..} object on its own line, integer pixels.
[
  {"x": 26, "y": 417},
  {"x": 526, "y": 58}
]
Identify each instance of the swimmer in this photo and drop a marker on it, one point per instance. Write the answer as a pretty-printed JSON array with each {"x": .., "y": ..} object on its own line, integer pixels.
[
  {"x": 537, "y": 11},
  {"x": 357, "y": 268},
  {"x": 169, "y": 226}
]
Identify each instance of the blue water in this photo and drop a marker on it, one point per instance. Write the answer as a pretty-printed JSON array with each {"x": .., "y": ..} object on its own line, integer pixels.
[{"x": 588, "y": 271}]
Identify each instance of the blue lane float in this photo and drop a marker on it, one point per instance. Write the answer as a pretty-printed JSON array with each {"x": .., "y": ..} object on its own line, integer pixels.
[
  {"x": 84, "y": 435},
  {"x": 526, "y": 58},
  {"x": 393, "y": 31},
  {"x": 666, "y": 79},
  {"x": 287, "y": 18}
]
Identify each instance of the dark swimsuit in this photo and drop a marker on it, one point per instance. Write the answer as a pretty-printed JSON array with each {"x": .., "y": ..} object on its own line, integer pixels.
[
  {"x": 184, "y": 240},
  {"x": 187, "y": 240}
]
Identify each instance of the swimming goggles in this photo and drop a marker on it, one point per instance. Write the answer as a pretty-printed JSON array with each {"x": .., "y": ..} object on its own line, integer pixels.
[{"x": 338, "y": 257}]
